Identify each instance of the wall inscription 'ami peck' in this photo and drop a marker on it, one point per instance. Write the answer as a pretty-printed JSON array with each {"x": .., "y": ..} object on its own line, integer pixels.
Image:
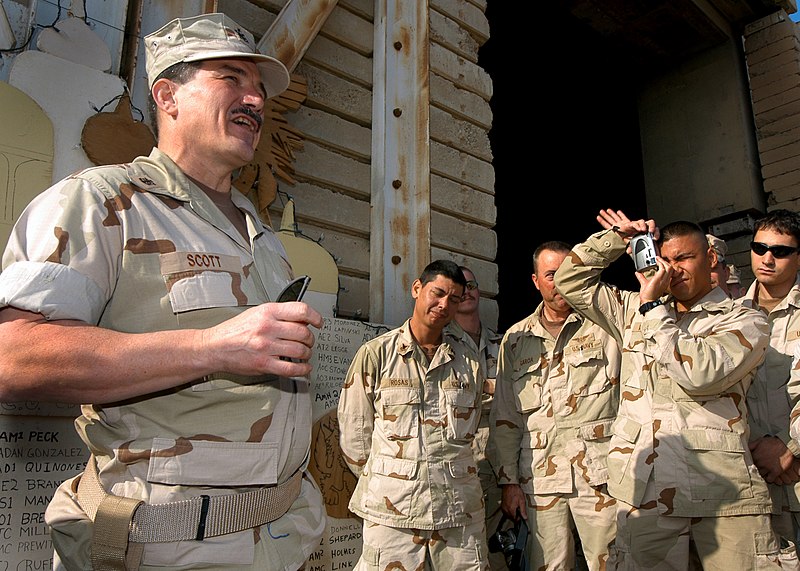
[{"x": 36, "y": 455}]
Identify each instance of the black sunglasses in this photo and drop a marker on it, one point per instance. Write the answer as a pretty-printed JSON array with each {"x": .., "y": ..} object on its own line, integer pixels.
[
  {"x": 295, "y": 290},
  {"x": 777, "y": 251}
]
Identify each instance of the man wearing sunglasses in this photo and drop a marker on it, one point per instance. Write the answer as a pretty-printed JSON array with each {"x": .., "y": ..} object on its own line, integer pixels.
[
  {"x": 485, "y": 342},
  {"x": 678, "y": 461},
  {"x": 556, "y": 397},
  {"x": 775, "y": 261}
]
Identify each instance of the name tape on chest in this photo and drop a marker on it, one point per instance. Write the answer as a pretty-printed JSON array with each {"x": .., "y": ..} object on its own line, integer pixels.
[{"x": 176, "y": 262}]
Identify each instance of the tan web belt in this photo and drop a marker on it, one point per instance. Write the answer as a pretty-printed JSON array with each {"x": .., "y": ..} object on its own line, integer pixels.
[{"x": 119, "y": 520}]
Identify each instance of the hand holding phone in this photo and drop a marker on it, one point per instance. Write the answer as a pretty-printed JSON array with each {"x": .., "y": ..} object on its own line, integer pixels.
[{"x": 295, "y": 290}]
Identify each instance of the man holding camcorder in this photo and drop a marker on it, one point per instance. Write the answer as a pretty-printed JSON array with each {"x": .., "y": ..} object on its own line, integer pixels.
[{"x": 678, "y": 462}]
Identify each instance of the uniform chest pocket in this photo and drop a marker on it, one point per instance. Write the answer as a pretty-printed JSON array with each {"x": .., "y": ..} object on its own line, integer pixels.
[
  {"x": 528, "y": 387},
  {"x": 400, "y": 413},
  {"x": 202, "y": 281},
  {"x": 588, "y": 368},
  {"x": 463, "y": 414}
]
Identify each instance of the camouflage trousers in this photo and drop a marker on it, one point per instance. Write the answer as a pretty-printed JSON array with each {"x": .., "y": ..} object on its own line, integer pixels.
[
  {"x": 787, "y": 525},
  {"x": 450, "y": 549},
  {"x": 492, "y": 493},
  {"x": 648, "y": 540},
  {"x": 551, "y": 518}
]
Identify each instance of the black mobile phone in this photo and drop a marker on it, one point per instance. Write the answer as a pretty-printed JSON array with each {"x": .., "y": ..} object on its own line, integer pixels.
[{"x": 295, "y": 290}]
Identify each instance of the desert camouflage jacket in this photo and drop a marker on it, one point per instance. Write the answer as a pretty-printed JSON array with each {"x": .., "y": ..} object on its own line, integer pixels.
[
  {"x": 487, "y": 350},
  {"x": 406, "y": 430},
  {"x": 554, "y": 404},
  {"x": 682, "y": 426},
  {"x": 139, "y": 248},
  {"x": 769, "y": 400}
]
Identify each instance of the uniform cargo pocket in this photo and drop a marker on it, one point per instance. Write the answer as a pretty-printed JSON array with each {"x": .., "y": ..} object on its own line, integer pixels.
[
  {"x": 463, "y": 479},
  {"x": 204, "y": 463},
  {"x": 595, "y": 436},
  {"x": 624, "y": 434},
  {"x": 391, "y": 486},
  {"x": 716, "y": 463}
]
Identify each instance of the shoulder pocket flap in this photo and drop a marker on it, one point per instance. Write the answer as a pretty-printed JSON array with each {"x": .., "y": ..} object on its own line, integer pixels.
[
  {"x": 400, "y": 468},
  {"x": 712, "y": 440},
  {"x": 400, "y": 396},
  {"x": 462, "y": 468},
  {"x": 596, "y": 430},
  {"x": 626, "y": 428}
]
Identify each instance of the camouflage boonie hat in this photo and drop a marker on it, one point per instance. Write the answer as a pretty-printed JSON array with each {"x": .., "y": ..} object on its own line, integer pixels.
[
  {"x": 209, "y": 36},
  {"x": 719, "y": 246}
]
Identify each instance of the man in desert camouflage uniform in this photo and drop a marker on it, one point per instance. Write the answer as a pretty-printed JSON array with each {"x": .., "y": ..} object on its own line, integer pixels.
[
  {"x": 678, "y": 462},
  {"x": 557, "y": 395},
  {"x": 486, "y": 342},
  {"x": 720, "y": 270},
  {"x": 143, "y": 288},
  {"x": 775, "y": 261},
  {"x": 408, "y": 412}
]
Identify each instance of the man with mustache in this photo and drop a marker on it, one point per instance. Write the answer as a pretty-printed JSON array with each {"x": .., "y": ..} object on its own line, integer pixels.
[
  {"x": 678, "y": 463},
  {"x": 145, "y": 289},
  {"x": 408, "y": 413}
]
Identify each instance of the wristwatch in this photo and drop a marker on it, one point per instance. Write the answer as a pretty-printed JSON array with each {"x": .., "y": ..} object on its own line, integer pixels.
[{"x": 647, "y": 306}]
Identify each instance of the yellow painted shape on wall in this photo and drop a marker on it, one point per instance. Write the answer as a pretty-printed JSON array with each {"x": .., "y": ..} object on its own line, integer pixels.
[
  {"x": 26, "y": 155},
  {"x": 307, "y": 257}
]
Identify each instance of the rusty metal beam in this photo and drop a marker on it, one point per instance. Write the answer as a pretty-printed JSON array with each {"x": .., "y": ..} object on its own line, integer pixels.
[
  {"x": 294, "y": 29},
  {"x": 400, "y": 238}
]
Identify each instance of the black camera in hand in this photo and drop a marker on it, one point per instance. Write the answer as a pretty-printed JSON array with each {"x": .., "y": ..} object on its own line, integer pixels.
[{"x": 510, "y": 540}]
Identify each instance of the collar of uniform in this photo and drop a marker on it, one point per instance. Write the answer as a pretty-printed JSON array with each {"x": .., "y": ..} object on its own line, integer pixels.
[
  {"x": 534, "y": 323},
  {"x": 793, "y": 297},
  {"x": 158, "y": 173},
  {"x": 405, "y": 341},
  {"x": 713, "y": 301}
]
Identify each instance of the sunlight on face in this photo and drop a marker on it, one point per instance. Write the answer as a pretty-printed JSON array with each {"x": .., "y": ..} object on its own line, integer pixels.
[
  {"x": 769, "y": 269},
  {"x": 436, "y": 302},
  {"x": 546, "y": 265},
  {"x": 691, "y": 266}
]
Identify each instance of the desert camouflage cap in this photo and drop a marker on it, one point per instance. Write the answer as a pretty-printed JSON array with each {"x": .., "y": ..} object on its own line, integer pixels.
[
  {"x": 209, "y": 36},
  {"x": 719, "y": 245}
]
